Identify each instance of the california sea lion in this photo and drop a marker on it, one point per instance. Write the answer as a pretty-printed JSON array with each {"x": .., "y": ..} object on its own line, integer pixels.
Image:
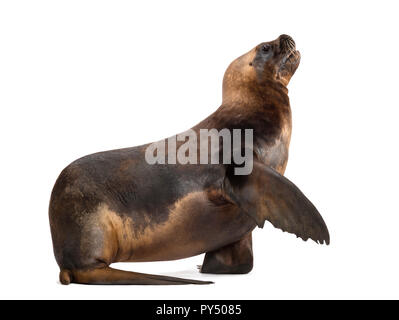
[{"x": 114, "y": 206}]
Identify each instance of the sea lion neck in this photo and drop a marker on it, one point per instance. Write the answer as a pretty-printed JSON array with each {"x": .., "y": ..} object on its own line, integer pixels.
[
  {"x": 265, "y": 109},
  {"x": 267, "y": 93}
]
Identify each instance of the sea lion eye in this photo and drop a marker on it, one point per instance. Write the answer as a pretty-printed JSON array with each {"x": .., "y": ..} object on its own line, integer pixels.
[{"x": 265, "y": 48}]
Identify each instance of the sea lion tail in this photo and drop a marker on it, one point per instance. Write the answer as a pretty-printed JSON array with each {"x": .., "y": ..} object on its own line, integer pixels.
[
  {"x": 65, "y": 276},
  {"x": 110, "y": 276}
]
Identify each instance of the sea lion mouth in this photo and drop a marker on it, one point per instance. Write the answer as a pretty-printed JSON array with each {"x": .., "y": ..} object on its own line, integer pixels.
[
  {"x": 290, "y": 57},
  {"x": 287, "y": 44},
  {"x": 288, "y": 49}
]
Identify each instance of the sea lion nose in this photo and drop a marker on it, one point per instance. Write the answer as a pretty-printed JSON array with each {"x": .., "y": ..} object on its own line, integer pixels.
[{"x": 287, "y": 42}]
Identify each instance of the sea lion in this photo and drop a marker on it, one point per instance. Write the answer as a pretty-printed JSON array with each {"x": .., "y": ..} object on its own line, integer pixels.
[{"x": 114, "y": 206}]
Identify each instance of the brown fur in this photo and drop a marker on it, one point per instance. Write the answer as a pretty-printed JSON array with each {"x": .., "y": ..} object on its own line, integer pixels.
[{"x": 112, "y": 206}]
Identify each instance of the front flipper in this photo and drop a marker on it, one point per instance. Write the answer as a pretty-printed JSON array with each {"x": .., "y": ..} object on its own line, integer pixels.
[
  {"x": 267, "y": 195},
  {"x": 235, "y": 258}
]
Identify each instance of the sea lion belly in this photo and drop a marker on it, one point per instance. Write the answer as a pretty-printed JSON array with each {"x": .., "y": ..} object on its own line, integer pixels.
[{"x": 195, "y": 225}]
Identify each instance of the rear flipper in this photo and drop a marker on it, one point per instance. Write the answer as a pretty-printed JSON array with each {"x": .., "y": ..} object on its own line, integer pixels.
[
  {"x": 267, "y": 195},
  {"x": 109, "y": 276}
]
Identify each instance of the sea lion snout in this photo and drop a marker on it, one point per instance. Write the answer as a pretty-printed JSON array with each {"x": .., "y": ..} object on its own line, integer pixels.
[{"x": 286, "y": 42}]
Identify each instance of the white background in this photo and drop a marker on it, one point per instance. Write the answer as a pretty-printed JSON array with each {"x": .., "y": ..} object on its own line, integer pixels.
[{"x": 78, "y": 77}]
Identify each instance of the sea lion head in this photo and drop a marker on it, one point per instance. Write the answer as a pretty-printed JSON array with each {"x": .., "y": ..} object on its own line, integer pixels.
[{"x": 269, "y": 63}]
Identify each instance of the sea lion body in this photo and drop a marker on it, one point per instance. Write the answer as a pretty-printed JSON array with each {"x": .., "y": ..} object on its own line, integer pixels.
[
  {"x": 113, "y": 206},
  {"x": 124, "y": 221},
  {"x": 165, "y": 227}
]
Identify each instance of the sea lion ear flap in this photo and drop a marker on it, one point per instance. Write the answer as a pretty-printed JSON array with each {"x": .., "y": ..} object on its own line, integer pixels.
[{"x": 267, "y": 195}]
